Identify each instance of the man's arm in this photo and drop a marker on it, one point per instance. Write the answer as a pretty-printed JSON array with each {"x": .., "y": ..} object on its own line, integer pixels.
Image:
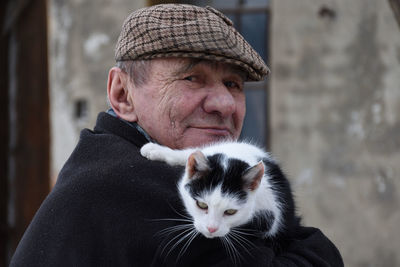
[{"x": 310, "y": 248}]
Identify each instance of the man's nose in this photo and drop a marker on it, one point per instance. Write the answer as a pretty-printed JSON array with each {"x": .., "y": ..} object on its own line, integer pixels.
[{"x": 220, "y": 100}]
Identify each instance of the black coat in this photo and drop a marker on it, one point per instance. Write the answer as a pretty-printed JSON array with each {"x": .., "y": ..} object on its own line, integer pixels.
[{"x": 106, "y": 206}]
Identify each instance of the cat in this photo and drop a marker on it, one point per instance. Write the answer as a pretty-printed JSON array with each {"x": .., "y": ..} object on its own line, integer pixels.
[{"x": 229, "y": 185}]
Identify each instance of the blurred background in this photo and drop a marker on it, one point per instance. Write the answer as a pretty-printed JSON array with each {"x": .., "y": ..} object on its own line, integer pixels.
[{"x": 329, "y": 111}]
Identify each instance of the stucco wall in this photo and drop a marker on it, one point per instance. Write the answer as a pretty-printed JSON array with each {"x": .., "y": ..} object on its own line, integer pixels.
[
  {"x": 81, "y": 43},
  {"x": 335, "y": 104}
]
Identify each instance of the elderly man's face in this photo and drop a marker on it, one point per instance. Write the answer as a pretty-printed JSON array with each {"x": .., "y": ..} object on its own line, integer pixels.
[{"x": 184, "y": 104}]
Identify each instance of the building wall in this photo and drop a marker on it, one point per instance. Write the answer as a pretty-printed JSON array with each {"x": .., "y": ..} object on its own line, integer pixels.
[
  {"x": 335, "y": 105},
  {"x": 82, "y": 37}
]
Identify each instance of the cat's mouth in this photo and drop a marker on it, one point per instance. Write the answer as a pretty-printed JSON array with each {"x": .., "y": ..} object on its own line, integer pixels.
[
  {"x": 208, "y": 235},
  {"x": 217, "y": 234}
]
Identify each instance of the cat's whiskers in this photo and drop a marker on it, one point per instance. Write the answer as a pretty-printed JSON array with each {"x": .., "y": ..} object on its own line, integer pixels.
[
  {"x": 228, "y": 249},
  {"x": 184, "y": 233},
  {"x": 245, "y": 231},
  {"x": 231, "y": 249},
  {"x": 174, "y": 229},
  {"x": 193, "y": 235},
  {"x": 242, "y": 241},
  {"x": 185, "y": 216},
  {"x": 181, "y": 237},
  {"x": 173, "y": 219},
  {"x": 235, "y": 239}
]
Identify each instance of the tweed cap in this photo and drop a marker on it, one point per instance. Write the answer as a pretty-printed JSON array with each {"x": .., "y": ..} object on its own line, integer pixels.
[{"x": 178, "y": 30}]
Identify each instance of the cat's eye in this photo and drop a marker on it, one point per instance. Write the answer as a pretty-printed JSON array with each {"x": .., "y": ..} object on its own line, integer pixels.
[
  {"x": 230, "y": 212},
  {"x": 202, "y": 205}
]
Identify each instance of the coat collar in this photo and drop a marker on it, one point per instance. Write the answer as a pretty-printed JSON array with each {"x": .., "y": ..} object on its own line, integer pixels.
[{"x": 111, "y": 124}]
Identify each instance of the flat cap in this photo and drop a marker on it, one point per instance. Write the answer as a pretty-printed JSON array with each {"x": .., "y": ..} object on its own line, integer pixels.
[{"x": 178, "y": 30}]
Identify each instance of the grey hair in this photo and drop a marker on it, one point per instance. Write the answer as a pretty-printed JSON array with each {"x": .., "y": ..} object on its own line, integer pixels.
[{"x": 138, "y": 70}]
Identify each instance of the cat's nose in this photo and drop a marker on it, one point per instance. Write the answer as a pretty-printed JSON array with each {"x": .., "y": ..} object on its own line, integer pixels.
[{"x": 212, "y": 229}]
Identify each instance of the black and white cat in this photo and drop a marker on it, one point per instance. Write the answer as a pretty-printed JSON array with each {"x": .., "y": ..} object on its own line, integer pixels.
[{"x": 230, "y": 184}]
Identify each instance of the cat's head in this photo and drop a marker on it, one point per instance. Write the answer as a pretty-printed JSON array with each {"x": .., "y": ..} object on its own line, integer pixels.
[{"x": 219, "y": 192}]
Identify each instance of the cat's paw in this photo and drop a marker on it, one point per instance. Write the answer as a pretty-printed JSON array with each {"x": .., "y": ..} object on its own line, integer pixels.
[{"x": 152, "y": 151}]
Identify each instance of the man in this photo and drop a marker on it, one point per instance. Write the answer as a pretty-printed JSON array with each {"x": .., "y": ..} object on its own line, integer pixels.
[{"x": 179, "y": 82}]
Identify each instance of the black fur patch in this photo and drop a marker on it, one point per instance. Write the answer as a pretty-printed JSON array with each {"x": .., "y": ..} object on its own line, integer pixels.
[{"x": 230, "y": 178}]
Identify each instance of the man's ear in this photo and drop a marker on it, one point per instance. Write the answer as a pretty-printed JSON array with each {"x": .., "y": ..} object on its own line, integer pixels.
[{"x": 119, "y": 95}]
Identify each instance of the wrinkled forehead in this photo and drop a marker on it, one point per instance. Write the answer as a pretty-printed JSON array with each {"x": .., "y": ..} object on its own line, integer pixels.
[
  {"x": 185, "y": 65},
  {"x": 217, "y": 65}
]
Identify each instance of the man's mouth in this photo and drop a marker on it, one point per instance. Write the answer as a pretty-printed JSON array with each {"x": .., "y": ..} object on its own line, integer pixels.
[{"x": 212, "y": 130}]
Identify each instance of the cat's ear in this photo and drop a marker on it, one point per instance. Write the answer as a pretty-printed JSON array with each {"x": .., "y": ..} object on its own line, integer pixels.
[
  {"x": 252, "y": 177},
  {"x": 197, "y": 162}
]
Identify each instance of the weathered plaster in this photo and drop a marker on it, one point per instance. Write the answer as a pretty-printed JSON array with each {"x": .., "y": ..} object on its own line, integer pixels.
[
  {"x": 81, "y": 42},
  {"x": 335, "y": 104}
]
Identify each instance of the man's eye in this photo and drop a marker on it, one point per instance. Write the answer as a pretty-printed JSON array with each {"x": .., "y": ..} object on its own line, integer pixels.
[
  {"x": 231, "y": 84},
  {"x": 190, "y": 78}
]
